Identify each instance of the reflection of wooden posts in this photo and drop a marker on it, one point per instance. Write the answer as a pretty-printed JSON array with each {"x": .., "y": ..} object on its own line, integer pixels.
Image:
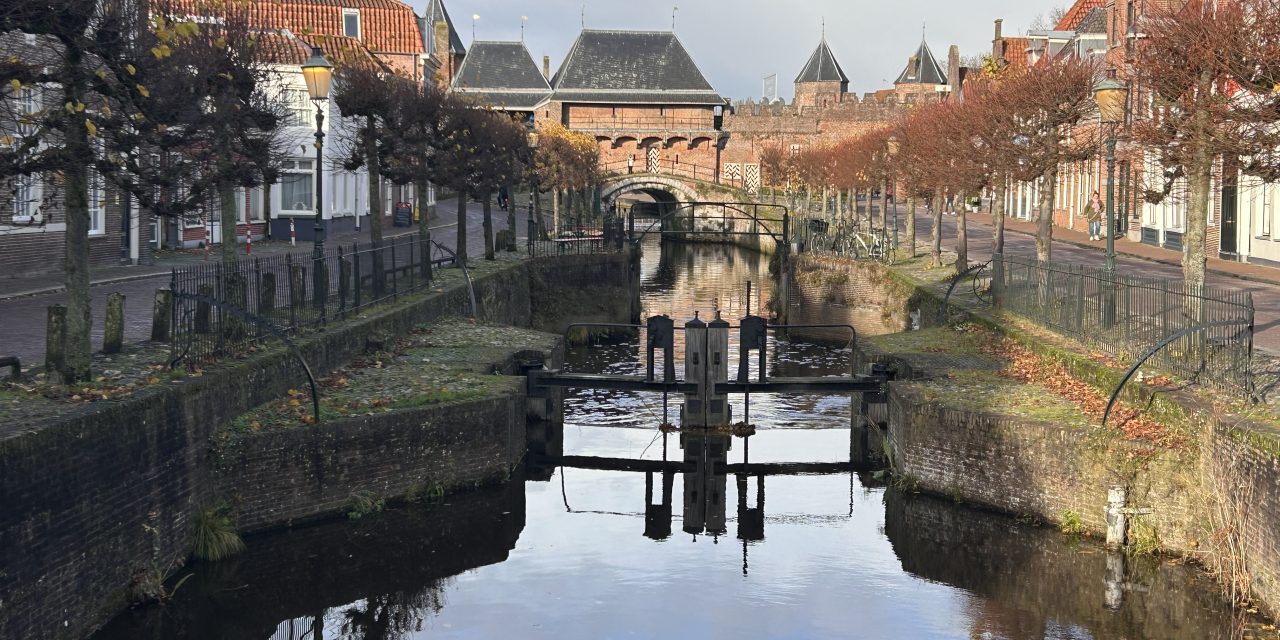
[
  {"x": 203, "y": 308},
  {"x": 113, "y": 327},
  {"x": 162, "y": 316},
  {"x": 55, "y": 340}
]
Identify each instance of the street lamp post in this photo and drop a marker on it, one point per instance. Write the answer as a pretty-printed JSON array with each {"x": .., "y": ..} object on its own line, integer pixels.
[
  {"x": 1111, "y": 96},
  {"x": 318, "y": 74},
  {"x": 892, "y": 144}
]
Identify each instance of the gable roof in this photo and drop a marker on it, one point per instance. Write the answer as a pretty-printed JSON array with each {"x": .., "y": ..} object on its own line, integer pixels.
[
  {"x": 637, "y": 67},
  {"x": 1094, "y": 22},
  {"x": 503, "y": 75},
  {"x": 1070, "y": 20},
  {"x": 928, "y": 70},
  {"x": 1014, "y": 52},
  {"x": 822, "y": 67},
  {"x": 437, "y": 13},
  {"x": 386, "y": 26}
]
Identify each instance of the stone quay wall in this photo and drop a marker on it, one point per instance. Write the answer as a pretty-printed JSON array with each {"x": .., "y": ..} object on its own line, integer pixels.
[
  {"x": 104, "y": 498},
  {"x": 1225, "y": 483}
]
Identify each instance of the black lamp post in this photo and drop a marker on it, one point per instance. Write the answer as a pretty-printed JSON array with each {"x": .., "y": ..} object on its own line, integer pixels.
[
  {"x": 318, "y": 74},
  {"x": 1111, "y": 96}
]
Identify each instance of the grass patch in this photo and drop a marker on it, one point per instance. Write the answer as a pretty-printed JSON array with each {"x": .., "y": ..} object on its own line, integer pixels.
[
  {"x": 215, "y": 534},
  {"x": 1070, "y": 524}
]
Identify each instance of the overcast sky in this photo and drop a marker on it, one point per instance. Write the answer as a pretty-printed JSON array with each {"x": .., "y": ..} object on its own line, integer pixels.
[{"x": 736, "y": 43}]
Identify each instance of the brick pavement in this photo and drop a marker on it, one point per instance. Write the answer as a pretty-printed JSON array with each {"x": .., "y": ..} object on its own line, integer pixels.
[{"x": 24, "y": 301}]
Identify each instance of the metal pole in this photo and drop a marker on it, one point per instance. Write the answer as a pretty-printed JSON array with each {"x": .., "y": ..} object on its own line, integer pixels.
[
  {"x": 1109, "y": 311},
  {"x": 318, "y": 251}
]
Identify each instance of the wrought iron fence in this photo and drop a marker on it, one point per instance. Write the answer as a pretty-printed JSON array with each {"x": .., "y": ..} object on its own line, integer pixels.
[
  {"x": 222, "y": 309},
  {"x": 1127, "y": 316},
  {"x": 576, "y": 237}
]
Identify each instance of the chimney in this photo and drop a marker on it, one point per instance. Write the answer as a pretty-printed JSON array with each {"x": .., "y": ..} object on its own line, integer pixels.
[
  {"x": 546, "y": 67},
  {"x": 953, "y": 70},
  {"x": 996, "y": 48}
]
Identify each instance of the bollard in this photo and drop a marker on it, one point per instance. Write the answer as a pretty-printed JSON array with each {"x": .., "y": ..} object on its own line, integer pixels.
[
  {"x": 297, "y": 290},
  {"x": 205, "y": 291},
  {"x": 113, "y": 327},
  {"x": 55, "y": 355},
  {"x": 162, "y": 316},
  {"x": 267, "y": 294},
  {"x": 1117, "y": 520}
]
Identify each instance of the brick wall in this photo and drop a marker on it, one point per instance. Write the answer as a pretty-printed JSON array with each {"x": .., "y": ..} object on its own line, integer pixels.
[
  {"x": 108, "y": 490},
  {"x": 39, "y": 249},
  {"x": 1023, "y": 466},
  {"x": 290, "y": 476}
]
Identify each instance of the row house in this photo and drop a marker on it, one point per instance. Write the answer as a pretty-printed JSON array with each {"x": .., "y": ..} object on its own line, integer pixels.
[
  {"x": 32, "y": 220},
  {"x": 386, "y": 32}
]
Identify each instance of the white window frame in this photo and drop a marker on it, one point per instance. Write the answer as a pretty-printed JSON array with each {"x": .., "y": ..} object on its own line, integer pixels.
[
  {"x": 25, "y": 209},
  {"x": 301, "y": 109},
  {"x": 347, "y": 13},
  {"x": 295, "y": 167},
  {"x": 96, "y": 192}
]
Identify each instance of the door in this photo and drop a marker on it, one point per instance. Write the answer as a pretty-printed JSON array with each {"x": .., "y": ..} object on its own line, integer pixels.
[{"x": 1228, "y": 247}]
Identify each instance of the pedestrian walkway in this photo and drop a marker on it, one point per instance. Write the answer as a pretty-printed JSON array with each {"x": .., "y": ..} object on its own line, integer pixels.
[
  {"x": 1124, "y": 246},
  {"x": 24, "y": 302}
]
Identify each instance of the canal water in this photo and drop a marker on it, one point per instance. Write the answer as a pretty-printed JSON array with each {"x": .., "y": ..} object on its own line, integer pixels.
[{"x": 785, "y": 542}]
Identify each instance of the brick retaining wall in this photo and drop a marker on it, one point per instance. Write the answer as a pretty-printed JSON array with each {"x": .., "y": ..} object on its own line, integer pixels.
[{"x": 108, "y": 491}]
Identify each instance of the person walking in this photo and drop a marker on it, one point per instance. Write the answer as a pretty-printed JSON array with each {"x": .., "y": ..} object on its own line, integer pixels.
[
  {"x": 631, "y": 163},
  {"x": 1093, "y": 213}
]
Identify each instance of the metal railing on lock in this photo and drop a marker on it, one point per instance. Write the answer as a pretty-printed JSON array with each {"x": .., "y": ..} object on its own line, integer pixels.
[
  {"x": 579, "y": 236},
  {"x": 222, "y": 309},
  {"x": 1125, "y": 316}
]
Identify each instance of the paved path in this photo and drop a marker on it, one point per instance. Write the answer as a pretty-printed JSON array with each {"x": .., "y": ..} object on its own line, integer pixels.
[{"x": 23, "y": 309}]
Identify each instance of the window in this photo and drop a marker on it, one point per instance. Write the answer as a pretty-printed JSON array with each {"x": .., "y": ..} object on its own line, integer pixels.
[
  {"x": 297, "y": 184},
  {"x": 249, "y": 205},
  {"x": 351, "y": 23},
  {"x": 27, "y": 104},
  {"x": 298, "y": 102},
  {"x": 97, "y": 193},
  {"x": 26, "y": 199}
]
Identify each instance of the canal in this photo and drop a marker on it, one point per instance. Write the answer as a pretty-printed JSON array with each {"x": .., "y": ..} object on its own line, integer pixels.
[{"x": 588, "y": 553}]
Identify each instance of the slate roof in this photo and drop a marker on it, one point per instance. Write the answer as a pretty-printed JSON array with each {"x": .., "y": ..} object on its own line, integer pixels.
[
  {"x": 929, "y": 72},
  {"x": 822, "y": 67},
  {"x": 503, "y": 75},
  {"x": 1070, "y": 20},
  {"x": 437, "y": 13},
  {"x": 1094, "y": 22},
  {"x": 631, "y": 67}
]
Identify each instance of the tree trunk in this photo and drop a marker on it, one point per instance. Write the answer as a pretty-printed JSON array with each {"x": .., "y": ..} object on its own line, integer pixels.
[
  {"x": 911, "y": 226},
  {"x": 1044, "y": 229},
  {"x": 266, "y": 207},
  {"x": 997, "y": 215},
  {"x": 460, "y": 247},
  {"x": 487, "y": 225},
  {"x": 375, "y": 205},
  {"x": 229, "y": 218},
  {"x": 511, "y": 207},
  {"x": 884, "y": 204},
  {"x": 962, "y": 234},
  {"x": 420, "y": 189},
  {"x": 78, "y": 351},
  {"x": 555, "y": 211},
  {"x": 1199, "y": 184},
  {"x": 935, "y": 209}
]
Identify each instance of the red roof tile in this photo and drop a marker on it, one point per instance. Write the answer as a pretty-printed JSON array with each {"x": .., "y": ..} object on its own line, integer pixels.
[{"x": 386, "y": 26}]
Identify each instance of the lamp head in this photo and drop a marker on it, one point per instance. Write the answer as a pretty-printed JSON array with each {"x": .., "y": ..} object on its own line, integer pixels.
[
  {"x": 1111, "y": 95},
  {"x": 319, "y": 75}
]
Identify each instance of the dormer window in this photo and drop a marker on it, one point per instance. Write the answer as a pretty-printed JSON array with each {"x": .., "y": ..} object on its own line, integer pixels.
[{"x": 351, "y": 23}]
